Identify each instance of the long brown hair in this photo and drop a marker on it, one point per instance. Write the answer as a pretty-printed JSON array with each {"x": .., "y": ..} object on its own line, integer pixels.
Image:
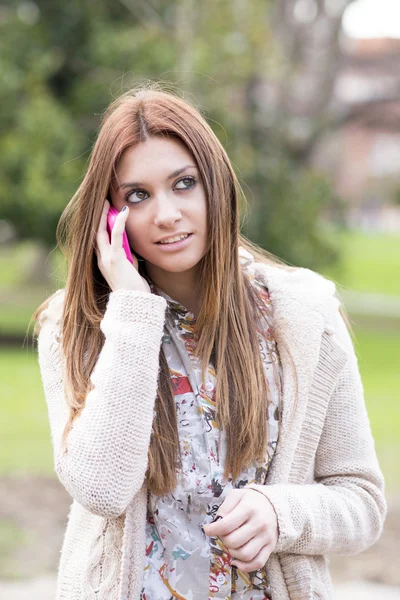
[{"x": 226, "y": 323}]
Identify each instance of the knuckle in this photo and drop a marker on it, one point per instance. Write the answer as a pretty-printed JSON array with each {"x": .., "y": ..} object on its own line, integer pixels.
[
  {"x": 249, "y": 512},
  {"x": 246, "y": 555},
  {"x": 264, "y": 527},
  {"x": 236, "y": 554},
  {"x": 252, "y": 496},
  {"x": 228, "y": 541},
  {"x": 224, "y": 531}
]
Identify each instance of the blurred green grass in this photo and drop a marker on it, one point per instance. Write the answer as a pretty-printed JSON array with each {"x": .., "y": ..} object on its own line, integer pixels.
[
  {"x": 378, "y": 357},
  {"x": 371, "y": 261},
  {"x": 16, "y": 262},
  {"x": 26, "y": 443},
  {"x": 20, "y": 294},
  {"x": 25, "y": 435}
]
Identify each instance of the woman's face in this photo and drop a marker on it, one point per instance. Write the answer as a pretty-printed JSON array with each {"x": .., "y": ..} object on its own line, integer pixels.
[{"x": 160, "y": 182}]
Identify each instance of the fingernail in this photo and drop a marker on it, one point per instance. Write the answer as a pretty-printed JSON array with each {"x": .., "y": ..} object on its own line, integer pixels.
[
  {"x": 124, "y": 208},
  {"x": 217, "y": 518}
]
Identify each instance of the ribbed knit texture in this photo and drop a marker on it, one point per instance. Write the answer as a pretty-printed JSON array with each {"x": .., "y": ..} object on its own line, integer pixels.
[
  {"x": 324, "y": 481},
  {"x": 104, "y": 465}
]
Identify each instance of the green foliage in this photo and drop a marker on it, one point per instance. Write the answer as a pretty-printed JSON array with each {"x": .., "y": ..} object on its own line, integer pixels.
[
  {"x": 39, "y": 176},
  {"x": 64, "y": 62},
  {"x": 286, "y": 214}
]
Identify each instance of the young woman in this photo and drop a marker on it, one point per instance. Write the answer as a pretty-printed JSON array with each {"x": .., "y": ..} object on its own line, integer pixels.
[{"x": 205, "y": 402}]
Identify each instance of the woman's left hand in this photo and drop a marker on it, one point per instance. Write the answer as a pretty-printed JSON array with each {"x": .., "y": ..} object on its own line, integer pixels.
[{"x": 248, "y": 529}]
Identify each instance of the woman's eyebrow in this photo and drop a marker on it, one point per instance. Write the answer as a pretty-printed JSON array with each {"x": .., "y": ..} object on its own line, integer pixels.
[{"x": 171, "y": 176}]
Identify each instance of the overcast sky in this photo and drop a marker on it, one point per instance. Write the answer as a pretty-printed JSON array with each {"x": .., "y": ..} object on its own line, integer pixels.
[{"x": 373, "y": 18}]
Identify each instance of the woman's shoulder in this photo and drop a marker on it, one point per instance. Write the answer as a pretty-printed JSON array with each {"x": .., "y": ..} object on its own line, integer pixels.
[
  {"x": 300, "y": 294},
  {"x": 283, "y": 280},
  {"x": 297, "y": 294},
  {"x": 298, "y": 280},
  {"x": 300, "y": 297},
  {"x": 49, "y": 330},
  {"x": 53, "y": 308}
]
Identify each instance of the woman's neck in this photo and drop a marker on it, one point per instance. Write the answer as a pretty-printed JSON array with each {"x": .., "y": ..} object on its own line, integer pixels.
[{"x": 181, "y": 287}]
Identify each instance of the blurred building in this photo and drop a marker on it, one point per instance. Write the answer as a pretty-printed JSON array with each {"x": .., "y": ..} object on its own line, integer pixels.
[{"x": 361, "y": 152}]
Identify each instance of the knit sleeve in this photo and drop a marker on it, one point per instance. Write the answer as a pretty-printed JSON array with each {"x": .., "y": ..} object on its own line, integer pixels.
[
  {"x": 105, "y": 460},
  {"x": 344, "y": 509}
]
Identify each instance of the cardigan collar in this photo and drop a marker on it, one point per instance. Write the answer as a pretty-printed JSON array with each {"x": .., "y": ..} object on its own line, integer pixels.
[
  {"x": 302, "y": 301},
  {"x": 303, "y": 304}
]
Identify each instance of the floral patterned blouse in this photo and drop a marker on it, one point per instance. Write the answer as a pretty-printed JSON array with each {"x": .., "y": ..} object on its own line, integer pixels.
[{"x": 181, "y": 561}]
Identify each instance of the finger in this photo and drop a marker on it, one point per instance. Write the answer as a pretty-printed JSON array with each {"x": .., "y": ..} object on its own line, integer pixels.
[
  {"x": 233, "y": 515},
  {"x": 118, "y": 229},
  {"x": 243, "y": 534},
  {"x": 249, "y": 550},
  {"x": 102, "y": 238},
  {"x": 257, "y": 563}
]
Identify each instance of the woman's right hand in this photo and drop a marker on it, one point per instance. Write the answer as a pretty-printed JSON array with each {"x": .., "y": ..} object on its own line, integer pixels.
[{"x": 116, "y": 269}]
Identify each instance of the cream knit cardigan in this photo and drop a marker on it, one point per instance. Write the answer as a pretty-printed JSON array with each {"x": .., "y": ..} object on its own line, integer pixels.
[{"x": 324, "y": 483}]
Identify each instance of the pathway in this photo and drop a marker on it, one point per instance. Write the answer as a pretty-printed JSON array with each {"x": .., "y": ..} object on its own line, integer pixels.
[{"x": 43, "y": 588}]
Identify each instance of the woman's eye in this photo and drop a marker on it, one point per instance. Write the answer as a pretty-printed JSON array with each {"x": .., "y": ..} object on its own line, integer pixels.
[
  {"x": 190, "y": 180},
  {"x": 139, "y": 198}
]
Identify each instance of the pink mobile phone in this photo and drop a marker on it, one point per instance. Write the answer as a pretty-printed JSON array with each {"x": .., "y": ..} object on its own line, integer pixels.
[{"x": 111, "y": 216}]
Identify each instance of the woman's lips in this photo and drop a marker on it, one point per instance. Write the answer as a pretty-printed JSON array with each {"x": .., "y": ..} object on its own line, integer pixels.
[{"x": 175, "y": 245}]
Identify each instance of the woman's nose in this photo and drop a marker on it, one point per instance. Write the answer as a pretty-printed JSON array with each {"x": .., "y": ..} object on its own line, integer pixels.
[{"x": 167, "y": 213}]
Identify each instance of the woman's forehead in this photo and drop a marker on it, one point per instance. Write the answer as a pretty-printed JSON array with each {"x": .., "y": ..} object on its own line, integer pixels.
[{"x": 154, "y": 156}]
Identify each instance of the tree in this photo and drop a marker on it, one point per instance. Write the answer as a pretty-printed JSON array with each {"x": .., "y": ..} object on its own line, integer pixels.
[{"x": 69, "y": 59}]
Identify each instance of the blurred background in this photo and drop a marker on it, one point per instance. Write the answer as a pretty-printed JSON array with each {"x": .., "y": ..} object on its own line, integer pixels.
[{"x": 305, "y": 97}]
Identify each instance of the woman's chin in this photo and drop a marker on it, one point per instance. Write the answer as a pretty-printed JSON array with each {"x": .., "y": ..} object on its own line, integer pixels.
[{"x": 173, "y": 263}]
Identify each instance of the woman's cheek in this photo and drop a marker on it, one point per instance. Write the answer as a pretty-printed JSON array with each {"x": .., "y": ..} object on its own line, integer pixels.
[{"x": 137, "y": 234}]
